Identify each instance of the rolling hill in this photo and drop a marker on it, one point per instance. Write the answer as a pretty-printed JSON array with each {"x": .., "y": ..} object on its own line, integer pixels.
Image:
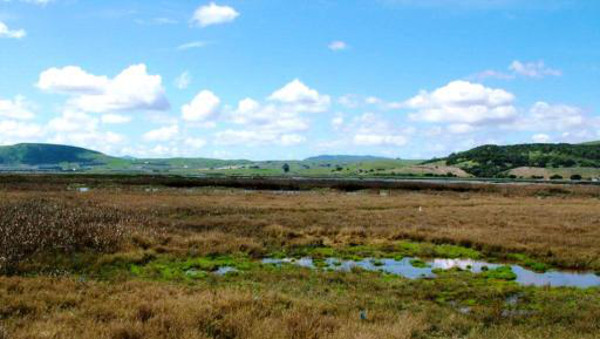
[
  {"x": 495, "y": 161},
  {"x": 519, "y": 161},
  {"x": 48, "y": 154}
]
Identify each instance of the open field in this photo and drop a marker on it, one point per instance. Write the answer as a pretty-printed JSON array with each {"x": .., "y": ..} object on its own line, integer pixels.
[{"x": 115, "y": 261}]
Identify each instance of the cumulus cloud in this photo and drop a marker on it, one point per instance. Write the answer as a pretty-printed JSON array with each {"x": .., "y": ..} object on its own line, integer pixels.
[
  {"x": 203, "y": 108},
  {"x": 81, "y": 129},
  {"x": 463, "y": 102},
  {"x": 213, "y": 14},
  {"x": 337, "y": 45},
  {"x": 8, "y": 33},
  {"x": 543, "y": 116},
  {"x": 17, "y": 109},
  {"x": 166, "y": 133},
  {"x": 13, "y": 131},
  {"x": 299, "y": 97},
  {"x": 72, "y": 80},
  {"x": 131, "y": 90},
  {"x": 115, "y": 119},
  {"x": 278, "y": 120}
]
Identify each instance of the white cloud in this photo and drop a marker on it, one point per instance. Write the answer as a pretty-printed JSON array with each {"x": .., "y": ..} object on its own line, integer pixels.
[
  {"x": 279, "y": 120},
  {"x": 565, "y": 114},
  {"x": 379, "y": 140},
  {"x": 351, "y": 101},
  {"x": 533, "y": 69},
  {"x": 204, "y": 107},
  {"x": 545, "y": 116},
  {"x": 354, "y": 101},
  {"x": 541, "y": 138},
  {"x": 73, "y": 121},
  {"x": 257, "y": 137},
  {"x": 115, "y": 119},
  {"x": 460, "y": 128},
  {"x": 194, "y": 142},
  {"x": 337, "y": 121},
  {"x": 299, "y": 97},
  {"x": 131, "y": 90},
  {"x": 337, "y": 45},
  {"x": 213, "y": 14},
  {"x": 72, "y": 80},
  {"x": 166, "y": 133},
  {"x": 536, "y": 69},
  {"x": 292, "y": 139},
  {"x": 268, "y": 117},
  {"x": 183, "y": 80},
  {"x": 17, "y": 109},
  {"x": 12, "y": 131},
  {"x": 463, "y": 102},
  {"x": 81, "y": 129},
  {"x": 8, "y": 33},
  {"x": 191, "y": 45}
]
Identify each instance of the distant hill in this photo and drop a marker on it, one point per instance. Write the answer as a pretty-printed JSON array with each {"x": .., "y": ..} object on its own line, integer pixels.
[
  {"x": 48, "y": 154},
  {"x": 494, "y": 160},
  {"x": 345, "y": 158}
]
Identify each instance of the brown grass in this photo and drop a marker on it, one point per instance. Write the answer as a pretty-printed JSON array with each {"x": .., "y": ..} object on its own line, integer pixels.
[
  {"x": 67, "y": 309},
  {"x": 555, "y": 227},
  {"x": 36, "y": 225},
  {"x": 563, "y": 230},
  {"x": 560, "y": 230}
]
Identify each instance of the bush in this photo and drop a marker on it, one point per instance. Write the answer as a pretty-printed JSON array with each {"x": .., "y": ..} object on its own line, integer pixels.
[
  {"x": 39, "y": 225},
  {"x": 576, "y": 177},
  {"x": 556, "y": 177}
]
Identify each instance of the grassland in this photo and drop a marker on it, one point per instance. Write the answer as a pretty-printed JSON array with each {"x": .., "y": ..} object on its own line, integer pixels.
[{"x": 115, "y": 262}]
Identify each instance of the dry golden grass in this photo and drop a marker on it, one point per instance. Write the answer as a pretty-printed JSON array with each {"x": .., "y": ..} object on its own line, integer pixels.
[
  {"x": 561, "y": 229},
  {"x": 63, "y": 308}
]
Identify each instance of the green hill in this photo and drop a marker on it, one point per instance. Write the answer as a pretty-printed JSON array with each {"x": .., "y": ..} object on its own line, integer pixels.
[
  {"x": 493, "y": 160},
  {"x": 48, "y": 154}
]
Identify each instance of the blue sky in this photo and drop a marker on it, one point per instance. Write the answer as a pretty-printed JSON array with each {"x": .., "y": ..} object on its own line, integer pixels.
[{"x": 267, "y": 79}]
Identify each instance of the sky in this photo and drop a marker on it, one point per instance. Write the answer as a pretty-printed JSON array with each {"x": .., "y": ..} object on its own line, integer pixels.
[{"x": 289, "y": 79}]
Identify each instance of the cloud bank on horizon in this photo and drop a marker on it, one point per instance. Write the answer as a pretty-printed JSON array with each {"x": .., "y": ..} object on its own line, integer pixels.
[{"x": 266, "y": 79}]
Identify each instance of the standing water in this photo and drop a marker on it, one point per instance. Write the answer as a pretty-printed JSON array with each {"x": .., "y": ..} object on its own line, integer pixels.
[{"x": 407, "y": 268}]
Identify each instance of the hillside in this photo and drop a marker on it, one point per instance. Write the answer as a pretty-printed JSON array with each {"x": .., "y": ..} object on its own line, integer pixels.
[
  {"x": 494, "y": 161},
  {"x": 48, "y": 154}
]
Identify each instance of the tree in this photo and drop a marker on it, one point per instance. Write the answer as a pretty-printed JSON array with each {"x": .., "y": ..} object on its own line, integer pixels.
[{"x": 285, "y": 168}]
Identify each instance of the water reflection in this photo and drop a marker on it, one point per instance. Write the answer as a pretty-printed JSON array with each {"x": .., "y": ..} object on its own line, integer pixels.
[{"x": 405, "y": 268}]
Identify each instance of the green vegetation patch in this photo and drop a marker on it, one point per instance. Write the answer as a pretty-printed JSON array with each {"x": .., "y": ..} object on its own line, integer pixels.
[
  {"x": 172, "y": 269},
  {"x": 396, "y": 250}
]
